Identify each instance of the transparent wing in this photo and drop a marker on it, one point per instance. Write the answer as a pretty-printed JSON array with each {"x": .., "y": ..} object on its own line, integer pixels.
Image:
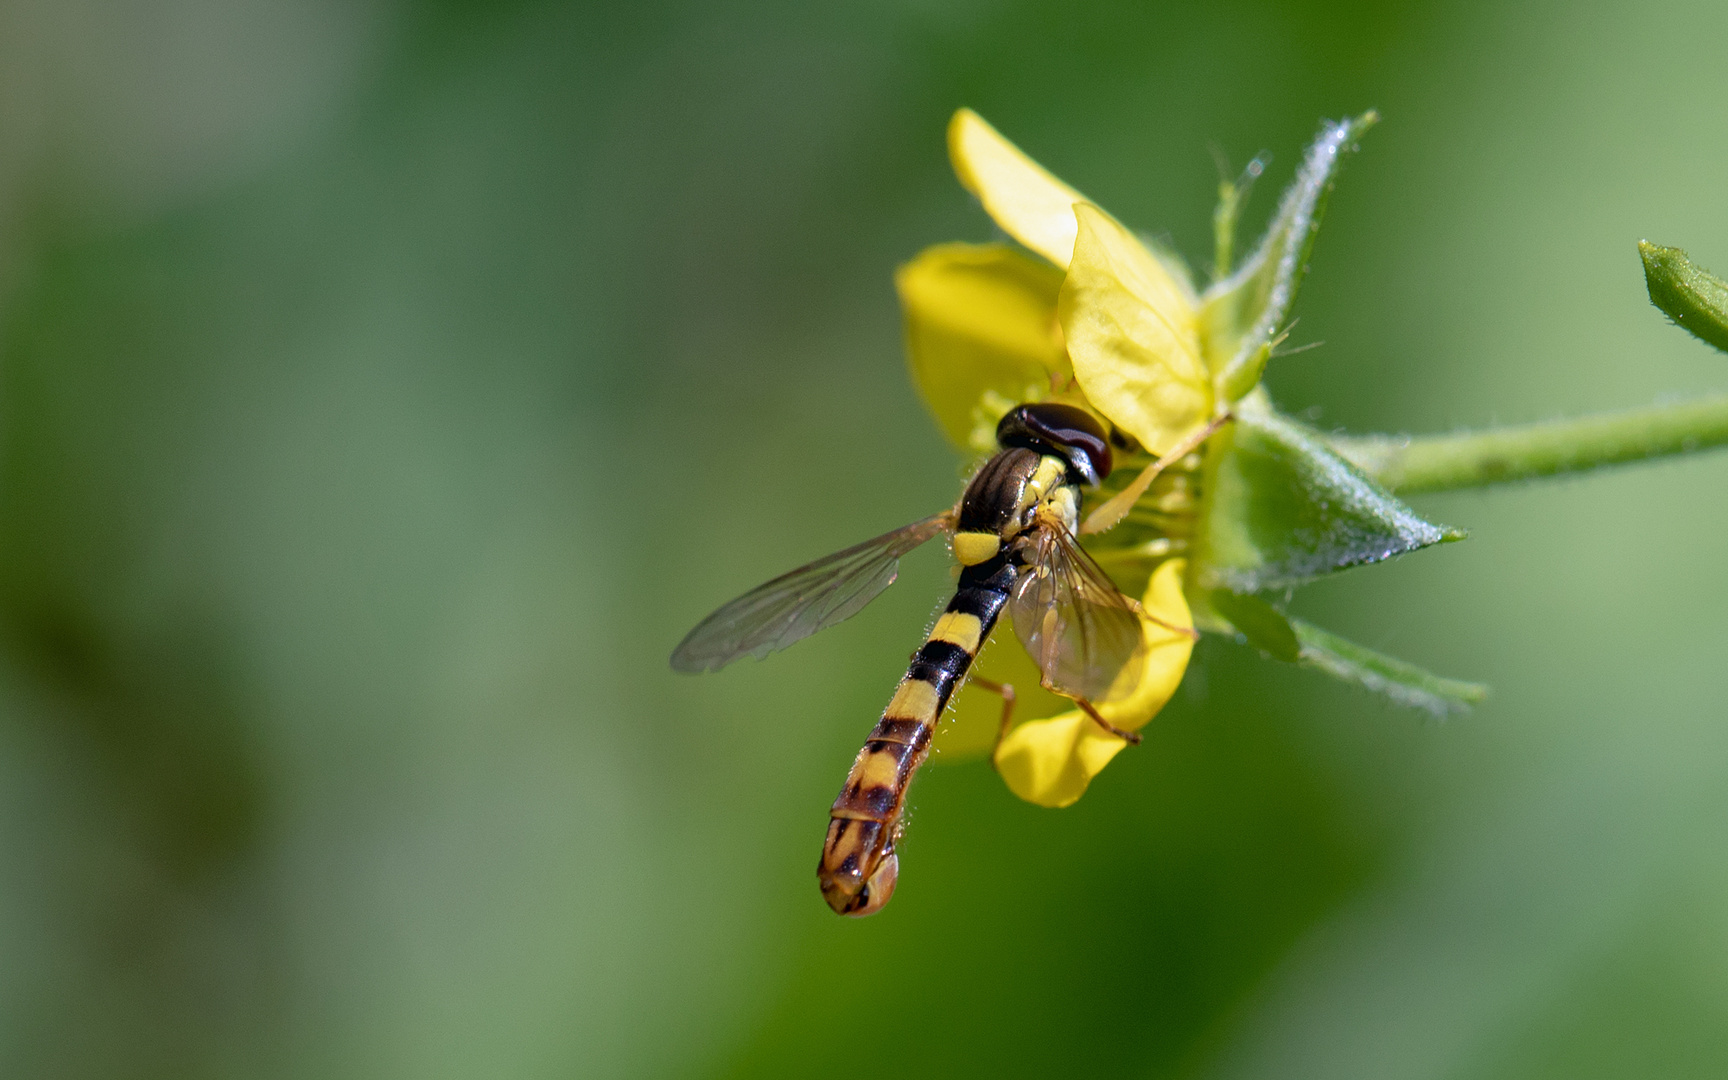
[
  {"x": 1076, "y": 625},
  {"x": 796, "y": 605}
]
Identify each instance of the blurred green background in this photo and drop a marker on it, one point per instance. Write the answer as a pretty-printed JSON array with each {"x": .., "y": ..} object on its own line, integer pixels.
[{"x": 385, "y": 387}]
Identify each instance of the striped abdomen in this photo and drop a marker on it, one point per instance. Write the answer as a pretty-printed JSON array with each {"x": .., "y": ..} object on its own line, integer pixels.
[{"x": 859, "y": 867}]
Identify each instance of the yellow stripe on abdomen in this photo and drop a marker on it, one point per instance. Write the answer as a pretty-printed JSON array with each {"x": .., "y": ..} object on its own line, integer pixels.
[
  {"x": 959, "y": 628},
  {"x": 915, "y": 700},
  {"x": 858, "y": 866}
]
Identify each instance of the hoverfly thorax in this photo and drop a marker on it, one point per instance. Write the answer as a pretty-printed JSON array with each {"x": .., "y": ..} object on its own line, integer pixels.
[{"x": 1047, "y": 452}]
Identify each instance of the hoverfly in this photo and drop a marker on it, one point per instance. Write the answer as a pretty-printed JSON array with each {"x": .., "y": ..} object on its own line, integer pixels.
[{"x": 1013, "y": 534}]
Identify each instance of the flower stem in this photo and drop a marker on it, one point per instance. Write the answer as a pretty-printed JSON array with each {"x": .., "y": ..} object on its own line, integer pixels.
[{"x": 1500, "y": 455}]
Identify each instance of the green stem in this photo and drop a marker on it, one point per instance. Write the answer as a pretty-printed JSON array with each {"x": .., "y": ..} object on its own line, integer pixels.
[{"x": 1499, "y": 455}]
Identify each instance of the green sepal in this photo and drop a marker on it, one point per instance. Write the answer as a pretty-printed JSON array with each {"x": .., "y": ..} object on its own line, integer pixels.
[
  {"x": 1232, "y": 197},
  {"x": 1694, "y": 298},
  {"x": 1243, "y": 313},
  {"x": 1282, "y": 509},
  {"x": 1263, "y": 625},
  {"x": 1401, "y": 682},
  {"x": 1244, "y": 377}
]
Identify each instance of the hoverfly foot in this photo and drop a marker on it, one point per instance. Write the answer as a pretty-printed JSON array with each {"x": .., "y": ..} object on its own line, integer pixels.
[{"x": 1132, "y": 738}]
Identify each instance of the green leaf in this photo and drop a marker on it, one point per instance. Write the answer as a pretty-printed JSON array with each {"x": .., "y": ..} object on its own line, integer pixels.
[
  {"x": 1283, "y": 509},
  {"x": 1694, "y": 298},
  {"x": 1263, "y": 625},
  {"x": 1244, "y": 312},
  {"x": 1402, "y": 682}
]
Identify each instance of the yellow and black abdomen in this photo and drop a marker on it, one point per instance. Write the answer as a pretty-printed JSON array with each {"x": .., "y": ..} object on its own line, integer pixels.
[{"x": 859, "y": 867}]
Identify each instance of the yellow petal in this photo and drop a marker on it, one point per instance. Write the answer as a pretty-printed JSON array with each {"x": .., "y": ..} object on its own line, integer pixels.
[
  {"x": 1133, "y": 334},
  {"x": 1167, "y": 650},
  {"x": 980, "y": 320},
  {"x": 1032, "y": 206},
  {"x": 1050, "y": 762}
]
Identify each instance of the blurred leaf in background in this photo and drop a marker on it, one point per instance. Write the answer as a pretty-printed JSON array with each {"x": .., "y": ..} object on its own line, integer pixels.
[{"x": 384, "y": 388}]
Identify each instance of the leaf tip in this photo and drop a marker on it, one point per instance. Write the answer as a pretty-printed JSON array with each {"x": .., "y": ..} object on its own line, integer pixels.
[{"x": 1692, "y": 297}]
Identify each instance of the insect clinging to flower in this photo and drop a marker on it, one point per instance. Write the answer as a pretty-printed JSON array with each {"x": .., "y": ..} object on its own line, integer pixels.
[
  {"x": 1105, "y": 396},
  {"x": 1013, "y": 534}
]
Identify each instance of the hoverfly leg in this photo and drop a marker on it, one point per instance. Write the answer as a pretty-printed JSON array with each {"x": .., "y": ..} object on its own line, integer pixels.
[
  {"x": 1140, "y": 610},
  {"x": 1117, "y": 506},
  {"x": 1006, "y": 692},
  {"x": 1132, "y": 738}
]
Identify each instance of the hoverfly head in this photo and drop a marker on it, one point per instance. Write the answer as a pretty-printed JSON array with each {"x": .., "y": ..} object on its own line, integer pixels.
[{"x": 1066, "y": 431}]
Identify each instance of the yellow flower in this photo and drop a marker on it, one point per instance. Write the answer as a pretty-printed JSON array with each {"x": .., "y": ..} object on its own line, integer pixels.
[
  {"x": 1129, "y": 317},
  {"x": 1106, "y": 323},
  {"x": 1086, "y": 313}
]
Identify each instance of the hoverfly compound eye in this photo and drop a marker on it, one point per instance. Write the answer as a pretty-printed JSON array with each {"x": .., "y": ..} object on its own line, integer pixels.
[{"x": 1064, "y": 430}]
